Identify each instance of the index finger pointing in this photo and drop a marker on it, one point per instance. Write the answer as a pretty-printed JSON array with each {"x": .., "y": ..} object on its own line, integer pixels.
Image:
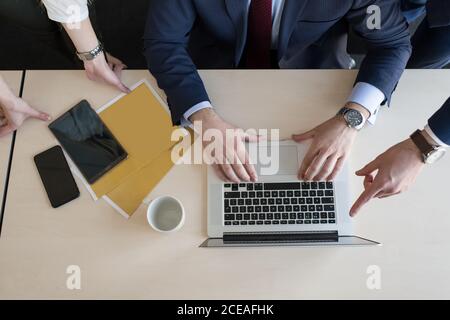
[{"x": 365, "y": 197}]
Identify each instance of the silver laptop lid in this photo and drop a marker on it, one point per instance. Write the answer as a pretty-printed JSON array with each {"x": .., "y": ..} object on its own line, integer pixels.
[{"x": 339, "y": 241}]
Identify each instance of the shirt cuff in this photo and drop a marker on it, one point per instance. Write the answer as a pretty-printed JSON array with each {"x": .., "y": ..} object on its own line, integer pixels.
[
  {"x": 368, "y": 96},
  {"x": 199, "y": 106},
  {"x": 435, "y": 137}
]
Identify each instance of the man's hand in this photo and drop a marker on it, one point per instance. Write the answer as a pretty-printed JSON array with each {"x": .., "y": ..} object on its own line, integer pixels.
[
  {"x": 397, "y": 169},
  {"x": 330, "y": 147},
  {"x": 107, "y": 70},
  {"x": 230, "y": 164},
  {"x": 14, "y": 111}
]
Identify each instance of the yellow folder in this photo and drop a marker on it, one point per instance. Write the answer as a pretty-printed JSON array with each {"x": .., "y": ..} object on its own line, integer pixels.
[
  {"x": 128, "y": 196},
  {"x": 143, "y": 126}
]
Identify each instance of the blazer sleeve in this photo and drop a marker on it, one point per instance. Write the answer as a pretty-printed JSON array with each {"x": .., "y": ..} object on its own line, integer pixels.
[
  {"x": 389, "y": 47},
  {"x": 438, "y": 13},
  {"x": 166, "y": 38},
  {"x": 440, "y": 123}
]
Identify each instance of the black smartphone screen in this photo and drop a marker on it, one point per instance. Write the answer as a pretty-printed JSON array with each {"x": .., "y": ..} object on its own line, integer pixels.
[
  {"x": 87, "y": 140},
  {"x": 56, "y": 176}
]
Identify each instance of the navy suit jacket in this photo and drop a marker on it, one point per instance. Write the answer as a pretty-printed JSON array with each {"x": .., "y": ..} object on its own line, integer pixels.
[
  {"x": 438, "y": 13},
  {"x": 431, "y": 42},
  {"x": 182, "y": 35},
  {"x": 440, "y": 123}
]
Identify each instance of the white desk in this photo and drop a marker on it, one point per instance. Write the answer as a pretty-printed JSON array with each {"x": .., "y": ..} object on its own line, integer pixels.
[
  {"x": 13, "y": 79},
  {"x": 126, "y": 259}
]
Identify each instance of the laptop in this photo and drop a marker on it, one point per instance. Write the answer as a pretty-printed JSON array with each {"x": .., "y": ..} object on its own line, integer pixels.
[{"x": 278, "y": 209}]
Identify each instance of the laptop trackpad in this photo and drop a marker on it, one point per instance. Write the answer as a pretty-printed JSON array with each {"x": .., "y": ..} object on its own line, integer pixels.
[{"x": 287, "y": 162}]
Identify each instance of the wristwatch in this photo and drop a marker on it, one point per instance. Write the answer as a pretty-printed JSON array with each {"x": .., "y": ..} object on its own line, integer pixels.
[
  {"x": 353, "y": 117},
  {"x": 90, "y": 55},
  {"x": 430, "y": 153}
]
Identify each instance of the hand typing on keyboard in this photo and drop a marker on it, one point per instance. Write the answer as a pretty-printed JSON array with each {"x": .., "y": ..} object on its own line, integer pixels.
[
  {"x": 330, "y": 148},
  {"x": 230, "y": 164}
]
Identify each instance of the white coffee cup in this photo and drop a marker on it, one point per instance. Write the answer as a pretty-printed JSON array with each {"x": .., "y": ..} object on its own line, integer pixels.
[{"x": 165, "y": 214}]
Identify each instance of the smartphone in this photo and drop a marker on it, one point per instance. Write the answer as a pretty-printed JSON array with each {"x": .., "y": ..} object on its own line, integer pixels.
[
  {"x": 87, "y": 141},
  {"x": 55, "y": 174}
]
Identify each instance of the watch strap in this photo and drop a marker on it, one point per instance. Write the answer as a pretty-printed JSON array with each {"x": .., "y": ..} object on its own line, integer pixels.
[
  {"x": 342, "y": 111},
  {"x": 91, "y": 55},
  {"x": 422, "y": 143}
]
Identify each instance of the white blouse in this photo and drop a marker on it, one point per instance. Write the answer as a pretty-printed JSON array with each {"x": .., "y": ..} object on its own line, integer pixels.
[{"x": 67, "y": 11}]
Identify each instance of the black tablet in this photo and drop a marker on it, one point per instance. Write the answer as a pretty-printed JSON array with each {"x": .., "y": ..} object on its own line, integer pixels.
[{"x": 87, "y": 141}]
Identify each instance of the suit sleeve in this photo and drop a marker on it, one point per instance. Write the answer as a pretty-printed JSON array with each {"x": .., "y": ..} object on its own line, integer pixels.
[
  {"x": 166, "y": 39},
  {"x": 438, "y": 13},
  {"x": 389, "y": 47},
  {"x": 440, "y": 123}
]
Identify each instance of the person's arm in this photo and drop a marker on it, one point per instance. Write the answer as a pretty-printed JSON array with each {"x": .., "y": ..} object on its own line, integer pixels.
[
  {"x": 14, "y": 110},
  {"x": 330, "y": 147},
  {"x": 389, "y": 50},
  {"x": 431, "y": 47},
  {"x": 438, "y": 124},
  {"x": 67, "y": 11},
  {"x": 103, "y": 68},
  {"x": 395, "y": 170},
  {"x": 74, "y": 17},
  {"x": 166, "y": 38},
  {"x": 388, "y": 43},
  {"x": 391, "y": 173},
  {"x": 438, "y": 13}
]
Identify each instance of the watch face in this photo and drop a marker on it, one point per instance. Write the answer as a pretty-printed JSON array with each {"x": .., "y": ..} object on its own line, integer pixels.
[
  {"x": 353, "y": 118},
  {"x": 435, "y": 155}
]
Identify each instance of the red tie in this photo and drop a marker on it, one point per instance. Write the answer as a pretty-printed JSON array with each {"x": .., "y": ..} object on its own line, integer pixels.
[{"x": 259, "y": 34}]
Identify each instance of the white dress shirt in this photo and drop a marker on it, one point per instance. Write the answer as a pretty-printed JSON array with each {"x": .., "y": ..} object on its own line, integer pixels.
[
  {"x": 435, "y": 137},
  {"x": 365, "y": 94},
  {"x": 67, "y": 11}
]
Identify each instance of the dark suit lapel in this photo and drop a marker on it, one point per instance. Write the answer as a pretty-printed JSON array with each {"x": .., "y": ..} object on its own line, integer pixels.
[
  {"x": 291, "y": 11},
  {"x": 237, "y": 10}
]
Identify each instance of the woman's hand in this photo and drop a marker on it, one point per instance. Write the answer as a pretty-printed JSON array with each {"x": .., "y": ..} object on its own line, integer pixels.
[
  {"x": 106, "y": 69},
  {"x": 14, "y": 112}
]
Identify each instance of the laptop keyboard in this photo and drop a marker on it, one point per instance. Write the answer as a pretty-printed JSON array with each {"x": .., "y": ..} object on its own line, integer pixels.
[{"x": 279, "y": 203}]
